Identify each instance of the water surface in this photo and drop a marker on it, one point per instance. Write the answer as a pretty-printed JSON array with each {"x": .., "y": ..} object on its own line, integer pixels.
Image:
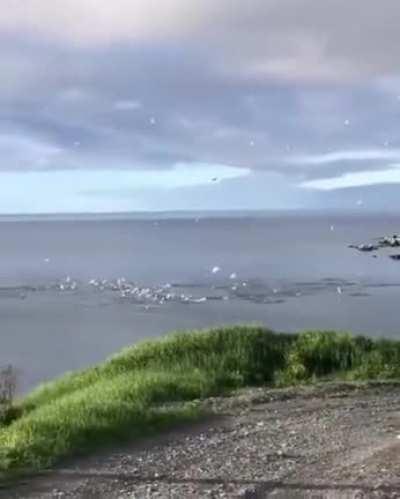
[{"x": 286, "y": 271}]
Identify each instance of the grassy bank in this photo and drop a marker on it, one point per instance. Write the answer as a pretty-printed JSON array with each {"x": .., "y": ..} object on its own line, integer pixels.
[{"x": 155, "y": 384}]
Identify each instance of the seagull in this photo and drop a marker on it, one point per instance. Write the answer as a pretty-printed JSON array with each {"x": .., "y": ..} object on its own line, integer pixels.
[{"x": 215, "y": 270}]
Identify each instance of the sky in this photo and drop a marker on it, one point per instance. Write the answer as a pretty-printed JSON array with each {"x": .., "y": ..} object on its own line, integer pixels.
[{"x": 156, "y": 105}]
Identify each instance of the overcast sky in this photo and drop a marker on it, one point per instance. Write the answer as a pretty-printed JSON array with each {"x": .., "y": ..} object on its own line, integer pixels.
[{"x": 130, "y": 105}]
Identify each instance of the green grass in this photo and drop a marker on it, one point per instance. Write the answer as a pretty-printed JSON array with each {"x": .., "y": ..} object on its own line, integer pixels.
[{"x": 156, "y": 384}]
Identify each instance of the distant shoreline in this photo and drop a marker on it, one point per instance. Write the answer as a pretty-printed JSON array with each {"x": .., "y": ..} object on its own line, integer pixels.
[{"x": 191, "y": 214}]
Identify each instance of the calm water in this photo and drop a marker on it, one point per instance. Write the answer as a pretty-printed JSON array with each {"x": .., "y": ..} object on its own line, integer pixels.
[{"x": 288, "y": 272}]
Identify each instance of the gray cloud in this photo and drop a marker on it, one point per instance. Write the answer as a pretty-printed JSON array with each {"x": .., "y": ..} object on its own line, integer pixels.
[
  {"x": 256, "y": 84},
  {"x": 278, "y": 37}
]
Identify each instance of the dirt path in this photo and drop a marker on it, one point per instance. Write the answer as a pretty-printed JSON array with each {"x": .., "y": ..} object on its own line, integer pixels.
[{"x": 335, "y": 441}]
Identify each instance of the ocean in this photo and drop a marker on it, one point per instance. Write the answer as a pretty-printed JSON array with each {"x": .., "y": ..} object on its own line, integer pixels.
[{"x": 75, "y": 290}]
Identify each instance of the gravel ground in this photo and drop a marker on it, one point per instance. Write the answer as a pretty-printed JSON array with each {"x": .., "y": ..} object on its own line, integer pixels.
[{"x": 326, "y": 441}]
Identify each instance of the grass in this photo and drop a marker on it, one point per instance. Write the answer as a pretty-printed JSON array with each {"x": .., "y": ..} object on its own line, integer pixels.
[{"x": 156, "y": 384}]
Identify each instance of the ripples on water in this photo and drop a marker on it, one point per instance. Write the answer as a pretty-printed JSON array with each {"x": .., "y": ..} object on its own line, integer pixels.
[{"x": 252, "y": 290}]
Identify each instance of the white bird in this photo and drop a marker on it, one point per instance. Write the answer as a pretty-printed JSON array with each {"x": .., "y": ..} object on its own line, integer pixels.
[
  {"x": 199, "y": 300},
  {"x": 233, "y": 275},
  {"x": 339, "y": 290},
  {"x": 215, "y": 269}
]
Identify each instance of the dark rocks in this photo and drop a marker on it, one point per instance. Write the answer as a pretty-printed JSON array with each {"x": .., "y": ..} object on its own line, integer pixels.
[
  {"x": 391, "y": 241},
  {"x": 364, "y": 247},
  {"x": 383, "y": 242}
]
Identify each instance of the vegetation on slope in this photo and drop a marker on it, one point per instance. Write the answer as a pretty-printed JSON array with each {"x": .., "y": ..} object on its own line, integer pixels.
[{"x": 155, "y": 384}]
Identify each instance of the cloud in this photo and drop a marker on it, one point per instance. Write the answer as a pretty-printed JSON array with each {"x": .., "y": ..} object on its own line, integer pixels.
[
  {"x": 285, "y": 38},
  {"x": 106, "y": 97},
  {"x": 25, "y": 153},
  {"x": 360, "y": 179},
  {"x": 340, "y": 156},
  {"x": 288, "y": 89}
]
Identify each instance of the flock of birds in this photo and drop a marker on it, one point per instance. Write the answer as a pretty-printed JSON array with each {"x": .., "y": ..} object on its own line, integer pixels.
[
  {"x": 149, "y": 297},
  {"x": 128, "y": 290},
  {"x": 158, "y": 295}
]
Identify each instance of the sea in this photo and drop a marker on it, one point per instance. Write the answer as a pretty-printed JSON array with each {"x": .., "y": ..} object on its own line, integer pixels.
[{"x": 74, "y": 290}]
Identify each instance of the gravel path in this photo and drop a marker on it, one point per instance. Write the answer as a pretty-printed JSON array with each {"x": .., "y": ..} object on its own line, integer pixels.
[{"x": 327, "y": 441}]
